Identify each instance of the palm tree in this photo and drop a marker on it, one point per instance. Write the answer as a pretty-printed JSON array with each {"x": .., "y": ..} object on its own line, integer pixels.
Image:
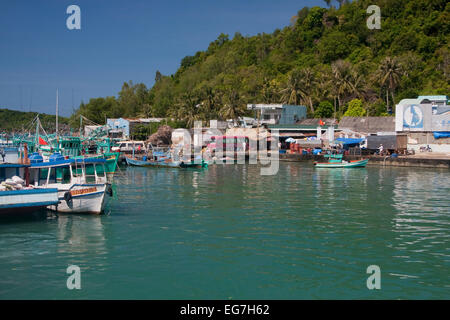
[
  {"x": 146, "y": 111},
  {"x": 300, "y": 87},
  {"x": 267, "y": 91},
  {"x": 325, "y": 86},
  {"x": 208, "y": 103},
  {"x": 357, "y": 84},
  {"x": 291, "y": 92},
  {"x": 232, "y": 105},
  {"x": 341, "y": 75},
  {"x": 308, "y": 87},
  {"x": 388, "y": 74},
  {"x": 187, "y": 109}
]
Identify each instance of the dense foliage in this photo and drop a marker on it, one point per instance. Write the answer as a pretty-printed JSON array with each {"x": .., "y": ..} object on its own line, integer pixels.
[
  {"x": 355, "y": 109},
  {"x": 325, "y": 54},
  {"x": 17, "y": 121}
]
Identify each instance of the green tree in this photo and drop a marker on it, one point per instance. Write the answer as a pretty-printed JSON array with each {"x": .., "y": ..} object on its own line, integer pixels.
[
  {"x": 323, "y": 54},
  {"x": 187, "y": 109},
  {"x": 300, "y": 86},
  {"x": 355, "y": 109},
  {"x": 388, "y": 75},
  {"x": 232, "y": 105},
  {"x": 292, "y": 90},
  {"x": 324, "y": 110}
]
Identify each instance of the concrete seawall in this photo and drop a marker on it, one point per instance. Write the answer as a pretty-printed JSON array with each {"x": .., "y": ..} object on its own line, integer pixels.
[{"x": 377, "y": 160}]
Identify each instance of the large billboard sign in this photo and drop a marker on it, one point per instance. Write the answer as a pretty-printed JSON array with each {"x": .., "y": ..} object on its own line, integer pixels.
[
  {"x": 413, "y": 117},
  {"x": 422, "y": 117}
]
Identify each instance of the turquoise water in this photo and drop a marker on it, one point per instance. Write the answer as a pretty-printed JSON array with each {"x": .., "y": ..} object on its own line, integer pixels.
[{"x": 229, "y": 233}]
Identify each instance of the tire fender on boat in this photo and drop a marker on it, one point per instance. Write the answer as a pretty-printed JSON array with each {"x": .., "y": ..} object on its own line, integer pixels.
[
  {"x": 68, "y": 199},
  {"x": 109, "y": 191}
]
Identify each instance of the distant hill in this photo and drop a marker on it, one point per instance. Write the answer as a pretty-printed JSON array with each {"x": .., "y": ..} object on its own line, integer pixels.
[{"x": 18, "y": 121}]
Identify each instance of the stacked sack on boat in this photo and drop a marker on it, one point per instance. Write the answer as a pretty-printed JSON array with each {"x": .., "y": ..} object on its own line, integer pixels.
[{"x": 15, "y": 183}]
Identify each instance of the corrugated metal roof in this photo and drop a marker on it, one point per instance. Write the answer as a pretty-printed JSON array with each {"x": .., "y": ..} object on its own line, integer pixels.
[
  {"x": 433, "y": 98},
  {"x": 315, "y": 121},
  {"x": 368, "y": 124}
]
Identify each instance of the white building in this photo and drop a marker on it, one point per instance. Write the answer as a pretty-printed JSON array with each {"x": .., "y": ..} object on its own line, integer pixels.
[{"x": 425, "y": 120}]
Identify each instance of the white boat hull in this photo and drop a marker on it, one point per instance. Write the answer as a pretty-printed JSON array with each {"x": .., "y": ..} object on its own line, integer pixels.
[{"x": 84, "y": 199}]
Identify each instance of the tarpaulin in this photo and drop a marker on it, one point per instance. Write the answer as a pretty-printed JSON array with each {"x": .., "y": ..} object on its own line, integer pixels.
[{"x": 438, "y": 135}]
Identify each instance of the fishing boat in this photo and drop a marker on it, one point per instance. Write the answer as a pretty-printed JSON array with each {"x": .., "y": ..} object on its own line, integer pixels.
[
  {"x": 163, "y": 157},
  {"x": 94, "y": 145},
  {"x": 336, "y": 161},
  {"x": 78, "y": 191},
  {"x": 17, "y": 197},
  {"x": 166, "y": 162}
]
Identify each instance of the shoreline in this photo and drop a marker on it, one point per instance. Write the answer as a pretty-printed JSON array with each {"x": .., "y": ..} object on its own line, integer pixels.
[{"x": 400, "y": 161}]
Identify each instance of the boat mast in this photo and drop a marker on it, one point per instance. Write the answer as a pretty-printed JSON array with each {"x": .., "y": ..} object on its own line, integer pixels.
[
  {"x": 57, "y": 115},
  {"x": 81, "y": 123},
  {"x": 36, "y": 144}
]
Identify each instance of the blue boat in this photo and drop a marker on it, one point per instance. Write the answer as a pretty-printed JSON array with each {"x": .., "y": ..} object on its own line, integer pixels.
[
  {"x": 161, "y": 157},
  {"x": 18, "y": 197},
  {"x": 165, "y": 162}
]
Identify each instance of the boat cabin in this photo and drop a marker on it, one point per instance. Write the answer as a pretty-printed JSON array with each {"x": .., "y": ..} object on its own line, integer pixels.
[{"x": 68, "y": 171}]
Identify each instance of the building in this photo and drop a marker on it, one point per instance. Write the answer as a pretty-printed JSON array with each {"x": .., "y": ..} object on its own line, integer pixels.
[
  {"x": 368, "y": 125},
  {"x": 423, "y": 120},
  {"x": 434, "y": 100},
  {"x": 90, "y": 129},
  {"x": 126, "y": 125},
  {"x": 278, "y": 114},
  {"x": 221, "y": 125}
]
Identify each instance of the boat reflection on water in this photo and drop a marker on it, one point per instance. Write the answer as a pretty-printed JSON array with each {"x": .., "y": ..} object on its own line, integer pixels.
[
  {"x": 81, "y": 236},
  {"x": 334, "y": 181}
]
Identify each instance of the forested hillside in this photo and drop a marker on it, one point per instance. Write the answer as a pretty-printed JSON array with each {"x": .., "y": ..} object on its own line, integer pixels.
[
  {"x": 18, "y": 121},
  {"x": 323, "y": 58}
]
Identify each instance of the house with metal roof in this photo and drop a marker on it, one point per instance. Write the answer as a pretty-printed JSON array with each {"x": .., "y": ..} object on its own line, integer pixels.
[
  {"x": 434, "y": 100},
  {"x": 126, "y": 125},
  {"x": 274, "y": 114},
  {"x": 368, "y": 125}
]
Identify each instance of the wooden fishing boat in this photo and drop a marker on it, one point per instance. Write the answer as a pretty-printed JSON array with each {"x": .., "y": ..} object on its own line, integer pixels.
[
  {"x": 78, "y": 192},
  {"x": 343, "y": 164},
  {"x": 163, "y": 157},
  {"x": 336, "y": 161},
  {"x": 166, "y": 162}
]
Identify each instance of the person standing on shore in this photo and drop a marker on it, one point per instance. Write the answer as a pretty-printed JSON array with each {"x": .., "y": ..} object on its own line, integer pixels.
[
  {"x": 2, "y": 153},
  {"x": 381, "y": 149}
]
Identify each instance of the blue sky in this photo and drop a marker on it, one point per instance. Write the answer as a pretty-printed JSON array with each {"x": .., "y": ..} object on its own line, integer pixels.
[{"x": 118, "y": 41}]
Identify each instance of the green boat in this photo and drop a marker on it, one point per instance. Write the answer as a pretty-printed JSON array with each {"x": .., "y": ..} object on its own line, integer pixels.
[
  {"x": 110, "y": 165},
  {"x": 73, "y": 148},
  {"x": 96, "y": 145},
  {"x": 336, "y": 161}
]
